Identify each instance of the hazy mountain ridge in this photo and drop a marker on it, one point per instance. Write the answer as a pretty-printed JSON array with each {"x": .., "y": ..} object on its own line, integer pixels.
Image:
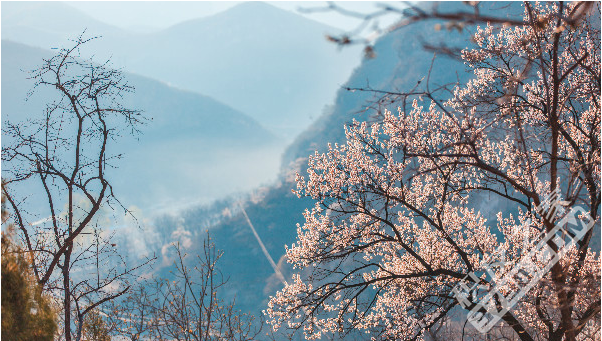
[
  {"x": 50, "y": 24},
  {"x": 269, "y": 63},
  {"x": 174, "y": 112},
  {"x": 260, "y": 59},
  {"x": 180, "y": 154}
]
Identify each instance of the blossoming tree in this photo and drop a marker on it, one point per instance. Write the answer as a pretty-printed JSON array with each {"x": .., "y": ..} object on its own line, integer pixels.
[{"x": 400, "y": 216}]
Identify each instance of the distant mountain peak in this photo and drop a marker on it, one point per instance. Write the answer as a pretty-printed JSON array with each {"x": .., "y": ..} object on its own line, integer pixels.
[
  {"x": 253, "y": 5},
  {"x": 251, "y": 11},
  {"x": 47, "y": 14}
]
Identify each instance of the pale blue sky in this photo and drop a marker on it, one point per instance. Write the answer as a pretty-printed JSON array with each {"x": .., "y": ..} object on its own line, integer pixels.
[{"x": 149, "y": 15}]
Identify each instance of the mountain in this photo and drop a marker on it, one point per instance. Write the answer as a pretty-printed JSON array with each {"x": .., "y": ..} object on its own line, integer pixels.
[
  {"x": 274, "y": 211},
  {"x": 50, "y": 24},
  {"x": 400, "y": 64},
  {"x": 271, "y": 64},
  {"x": 193, "y": 148}
]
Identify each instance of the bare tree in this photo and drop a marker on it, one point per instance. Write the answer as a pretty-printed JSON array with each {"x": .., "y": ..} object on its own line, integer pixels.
[
  {"x": 185, "y": 307},
  {"x": 134, "y": 317},
  {"x": 56, "y": 184},
  {"x": 189, "y": 308}
]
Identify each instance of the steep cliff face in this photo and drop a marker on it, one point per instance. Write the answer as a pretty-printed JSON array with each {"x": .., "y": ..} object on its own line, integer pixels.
[{"x": 402, "y": 63}]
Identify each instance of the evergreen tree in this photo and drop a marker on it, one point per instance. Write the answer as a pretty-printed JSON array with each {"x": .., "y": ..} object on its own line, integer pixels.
[
  {"x": 27, "y": 314},
  {"x": 95, "y": 328}
]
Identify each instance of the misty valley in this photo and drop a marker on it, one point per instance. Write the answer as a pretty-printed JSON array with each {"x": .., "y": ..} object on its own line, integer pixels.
[{"x": 287, "y": 171}]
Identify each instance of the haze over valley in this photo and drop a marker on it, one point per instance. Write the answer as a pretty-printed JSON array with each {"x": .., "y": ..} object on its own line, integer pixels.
[{"x": 345, "y": 165}]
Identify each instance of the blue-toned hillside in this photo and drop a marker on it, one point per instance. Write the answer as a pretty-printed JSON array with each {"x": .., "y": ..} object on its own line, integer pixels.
[{"x": 192, "y": 148}]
